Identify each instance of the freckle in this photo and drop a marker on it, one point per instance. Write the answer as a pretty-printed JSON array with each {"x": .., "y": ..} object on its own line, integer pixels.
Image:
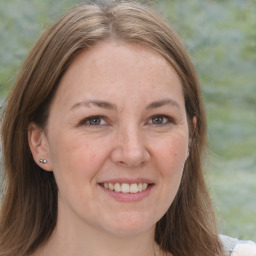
[{"x": 93, "y": 156}]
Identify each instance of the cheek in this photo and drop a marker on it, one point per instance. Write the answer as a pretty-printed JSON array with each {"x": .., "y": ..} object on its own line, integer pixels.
[
  {"x": 171, "y": 152},
  {"x": 172, "y": 165},
  {"x": 171, "y": 156},
  {"x": 75, "y": 159},
  {"x": 76, "y": 162},
  {"x": 73, "y": 149}
]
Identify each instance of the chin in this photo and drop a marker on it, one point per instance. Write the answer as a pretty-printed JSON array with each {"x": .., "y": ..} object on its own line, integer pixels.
[{"x": 130, "y": 225}]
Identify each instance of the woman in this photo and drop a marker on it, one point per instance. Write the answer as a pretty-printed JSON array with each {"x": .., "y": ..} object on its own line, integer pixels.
[{"x": 103, "y": 137}]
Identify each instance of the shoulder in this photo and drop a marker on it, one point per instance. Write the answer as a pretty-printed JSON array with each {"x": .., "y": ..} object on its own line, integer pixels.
[{"x": 235, "y": 247}]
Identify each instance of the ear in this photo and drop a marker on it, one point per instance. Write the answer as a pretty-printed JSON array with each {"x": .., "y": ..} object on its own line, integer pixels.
[
  {"x": 194, "y": 120},
  {"x": 39, "y": 148},
  {"x": 194, "y": 123}
]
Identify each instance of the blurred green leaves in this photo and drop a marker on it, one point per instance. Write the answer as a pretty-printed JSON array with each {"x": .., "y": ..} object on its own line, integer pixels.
[{"x": 21, "y": 23}]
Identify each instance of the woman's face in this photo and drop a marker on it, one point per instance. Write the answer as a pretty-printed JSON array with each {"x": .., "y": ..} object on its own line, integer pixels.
[{"x": 117, "y": 139}]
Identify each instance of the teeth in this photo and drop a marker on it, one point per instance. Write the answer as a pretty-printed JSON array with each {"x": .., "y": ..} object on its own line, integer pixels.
[
  {"x": 144, "y": 186},
  {"x": 110, "y": 186},
  {"x": 126, "y": 188},
  {"x": 117, "y": 187},
  {"x": 134, "y": 188}
]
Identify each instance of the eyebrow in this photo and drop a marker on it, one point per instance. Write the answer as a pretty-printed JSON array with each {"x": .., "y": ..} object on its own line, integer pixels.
[
  {"x": 111, "y": 106},
  {"x": 163, "y": 102},
  {"x": 97, "y": 103}
]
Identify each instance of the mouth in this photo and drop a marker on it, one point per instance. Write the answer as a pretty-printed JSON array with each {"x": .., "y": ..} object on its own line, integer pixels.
[{"x": 126, "y": 188}]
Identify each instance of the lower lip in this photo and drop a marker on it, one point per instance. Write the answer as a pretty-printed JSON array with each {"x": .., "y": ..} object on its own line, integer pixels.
[{"x": 128, "y": 197}]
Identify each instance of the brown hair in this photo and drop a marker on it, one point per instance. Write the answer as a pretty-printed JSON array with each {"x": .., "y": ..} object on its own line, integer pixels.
[{"x": 29, "y": 207}]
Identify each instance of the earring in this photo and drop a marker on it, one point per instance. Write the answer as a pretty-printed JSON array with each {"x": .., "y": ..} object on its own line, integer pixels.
[{"x": 43, "y": 161}]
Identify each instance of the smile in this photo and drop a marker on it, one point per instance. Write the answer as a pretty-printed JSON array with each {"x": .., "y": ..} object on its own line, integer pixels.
[{"x": 125, "y": 187}]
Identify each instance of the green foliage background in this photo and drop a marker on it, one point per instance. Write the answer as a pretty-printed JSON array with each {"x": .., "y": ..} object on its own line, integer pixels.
[{"x": 220, "y": 36}]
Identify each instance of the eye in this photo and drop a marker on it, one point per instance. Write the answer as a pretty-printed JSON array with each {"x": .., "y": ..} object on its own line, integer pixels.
[
  {"x": 94, "y": 121},
  {"x": 160, "y": 120}
]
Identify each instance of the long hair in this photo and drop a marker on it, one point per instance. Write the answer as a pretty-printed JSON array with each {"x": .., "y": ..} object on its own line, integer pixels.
[{"x": 29, "y": 206}]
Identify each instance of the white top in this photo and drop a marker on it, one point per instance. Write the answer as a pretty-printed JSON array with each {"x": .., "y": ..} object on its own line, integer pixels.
[
  {"x": 245, "y": 249},
  {"x": 235, "y": 247}
]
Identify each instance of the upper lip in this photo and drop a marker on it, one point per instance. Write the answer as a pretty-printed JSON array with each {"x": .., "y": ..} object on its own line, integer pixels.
[{"x": 127, "y": 181}]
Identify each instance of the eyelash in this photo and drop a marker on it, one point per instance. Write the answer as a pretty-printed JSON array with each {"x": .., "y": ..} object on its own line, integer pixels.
[
  {"x": 87, "y": 121},
  {"x": 167, "y": 120}
]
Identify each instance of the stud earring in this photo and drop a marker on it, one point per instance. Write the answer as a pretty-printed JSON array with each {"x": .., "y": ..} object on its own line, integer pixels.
[{"x": 43, "y": 161}]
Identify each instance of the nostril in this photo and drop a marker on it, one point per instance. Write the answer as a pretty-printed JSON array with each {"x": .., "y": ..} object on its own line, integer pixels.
[{"x": 130, "y": 153}]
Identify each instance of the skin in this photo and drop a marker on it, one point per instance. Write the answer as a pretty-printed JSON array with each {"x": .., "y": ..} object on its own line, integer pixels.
[{"x": 139, "y": 132}]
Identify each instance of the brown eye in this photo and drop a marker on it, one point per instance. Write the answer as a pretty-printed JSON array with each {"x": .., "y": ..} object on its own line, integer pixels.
[
  {"x": 160, "y": 120},
  {"x": 157, "y": 120},
  {"x": 94, "y": 121}
]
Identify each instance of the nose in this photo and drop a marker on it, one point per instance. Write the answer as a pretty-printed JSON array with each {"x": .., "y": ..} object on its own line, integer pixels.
[{"x": 129, "y": 149}]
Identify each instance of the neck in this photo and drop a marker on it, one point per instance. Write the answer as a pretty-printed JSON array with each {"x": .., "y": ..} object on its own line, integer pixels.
[{"x": 69, "y": 240}]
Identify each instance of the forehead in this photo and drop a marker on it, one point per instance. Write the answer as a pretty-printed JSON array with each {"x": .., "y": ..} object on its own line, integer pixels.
[{"x": 113, "y": 67}]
